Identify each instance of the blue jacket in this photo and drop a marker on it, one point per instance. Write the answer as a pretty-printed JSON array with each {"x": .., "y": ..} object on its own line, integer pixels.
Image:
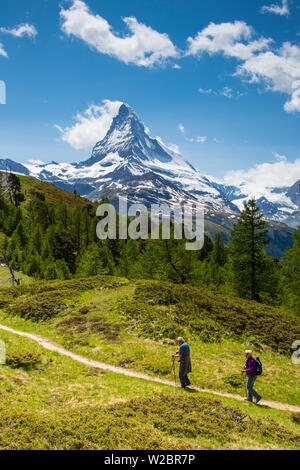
[{"x": 184, "y": 350}]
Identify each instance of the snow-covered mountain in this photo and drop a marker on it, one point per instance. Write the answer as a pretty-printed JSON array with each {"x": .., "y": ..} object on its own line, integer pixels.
[
  {"x": 128, "y": 162},
  {"x": 279, "y": 204},
  {"x": 9, "y": 165}
]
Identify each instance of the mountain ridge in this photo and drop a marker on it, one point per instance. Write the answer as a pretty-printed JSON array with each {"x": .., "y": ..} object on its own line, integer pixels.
[{"x": 128, "y": 162}]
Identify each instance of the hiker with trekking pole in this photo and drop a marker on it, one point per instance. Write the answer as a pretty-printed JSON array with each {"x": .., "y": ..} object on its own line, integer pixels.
[
  {"x": 252, "y": 369},
  {"x": 185, "y": 366}
]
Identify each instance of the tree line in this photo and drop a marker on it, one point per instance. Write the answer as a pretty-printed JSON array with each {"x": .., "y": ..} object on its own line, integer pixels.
[{"x": 55, "y": 241}]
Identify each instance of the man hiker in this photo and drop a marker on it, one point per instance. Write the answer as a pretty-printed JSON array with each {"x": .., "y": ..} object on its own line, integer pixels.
[
  {"x": 185, "y": 366},
  {"x": 250, "y": 371}
]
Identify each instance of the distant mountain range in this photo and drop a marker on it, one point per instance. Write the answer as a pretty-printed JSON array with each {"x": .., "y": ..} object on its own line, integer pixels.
[{"x": 129, "y": 162}]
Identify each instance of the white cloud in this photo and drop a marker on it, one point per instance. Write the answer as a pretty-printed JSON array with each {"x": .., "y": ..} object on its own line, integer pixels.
[
  {"x": 279, "y": 71},
  {"x": 3, "y": 51},
  {"x": 230, "y": 39},
  {"x": 91, "y": 125},
  {"x": 259, "y": 180},
  {"x": 144, "y": 47},
  {"x": 208, "y": 91},
  {"x": 174, "y": 148},
  {"x": 280, "y": 158},
  {"x": 20, "y": 31},
  {"x": 282, "y": 10},
  {"x": 225, "y": 91},
  {"x": 199, "y": 139},
  {"x": 36, "y": 162},
  {"x": 294, "y": 103}
]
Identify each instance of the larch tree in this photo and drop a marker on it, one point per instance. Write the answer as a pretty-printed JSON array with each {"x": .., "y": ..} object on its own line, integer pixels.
[{"x": 250, "y": 265}]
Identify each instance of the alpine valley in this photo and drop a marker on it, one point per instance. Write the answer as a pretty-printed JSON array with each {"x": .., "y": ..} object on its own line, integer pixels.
[{"x": 128, "y": 162}]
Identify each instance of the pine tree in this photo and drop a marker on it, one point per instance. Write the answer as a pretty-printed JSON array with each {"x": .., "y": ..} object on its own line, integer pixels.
[
  {"x": 13, "y": 215},
  {"x": 75, "y": 227},
  {"x": 31, "y": 265},
  {"x": 39, "y": 213},
  {"x": 293, "y": 253},
  {"x": 178, "y": 264},
  {"x": 19, "y": 236},
  {"x": 149, "y": 265},
  {"x": 50, "y": 271},
  {"x": 250, "y": 264},
  {"x": 218, "y": 254},
  {"x": 291, "y": 275},
  {"x": 35, "y": 242},
  {"x": 14, "y": 189},
  {"x": 62, "y": 270},
  {"x": 61, "y": 214},
  {"x": 129, "y": 251},
  {"x": 106, "y": 257},
  {"x": 90, "y": 263},
  {"x": 206, "y": 249},
  {"x": 84, "y": 229}
]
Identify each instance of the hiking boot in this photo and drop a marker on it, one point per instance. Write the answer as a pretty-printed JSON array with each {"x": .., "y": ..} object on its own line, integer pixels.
[
  {"x": 257, "y": 400},
  {"x": 248, "y": 399}
]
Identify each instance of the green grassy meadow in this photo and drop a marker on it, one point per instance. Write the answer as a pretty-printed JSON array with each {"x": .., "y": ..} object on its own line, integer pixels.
[
  {"x": 57, "y": 403},
  {"x": 5, "y": 277},
  {"x": 61, "y": 404}
]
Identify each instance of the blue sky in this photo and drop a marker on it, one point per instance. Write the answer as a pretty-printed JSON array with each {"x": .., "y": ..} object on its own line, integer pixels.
[{"x": 66, "y": 59}]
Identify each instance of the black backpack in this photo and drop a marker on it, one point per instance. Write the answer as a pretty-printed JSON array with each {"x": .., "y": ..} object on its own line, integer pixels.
[{"x": 259, "y": 367}]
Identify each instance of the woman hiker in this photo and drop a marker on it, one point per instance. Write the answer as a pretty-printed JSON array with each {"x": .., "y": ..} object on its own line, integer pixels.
[{"x": 250, "y": 371}]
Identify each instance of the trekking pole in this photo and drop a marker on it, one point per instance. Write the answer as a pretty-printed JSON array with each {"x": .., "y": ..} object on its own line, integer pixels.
[{"x": 175, "y": 390}]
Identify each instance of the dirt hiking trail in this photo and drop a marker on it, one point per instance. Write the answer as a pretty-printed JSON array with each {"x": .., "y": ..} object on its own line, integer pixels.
[{"x": 51, "y": 346}]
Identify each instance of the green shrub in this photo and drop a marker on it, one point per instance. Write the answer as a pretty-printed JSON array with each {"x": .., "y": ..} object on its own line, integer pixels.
[
  {"x": 24, "y": 359},
  {"x": 151, "y": 321},
  {"x": 211, "y": 314},
  {"x": 235, "y": 380},
  {"x": 67, "y": 288},
  {"x": 38, "y": 307},
  {"x": 7, "y": 295},
  {"x": 154, "y": 423},
  {"x": 208, "y": 330},
  {"x": 296, "y": 417},
  {"x": 84, "y": 310},
  {"x": 79, "y": 285},
  {"x": 43, "y": 300},
  {"x": 127, "y": 362},
  {"x": 82, "y": 325},
  {"x": 156, "y": 365}
]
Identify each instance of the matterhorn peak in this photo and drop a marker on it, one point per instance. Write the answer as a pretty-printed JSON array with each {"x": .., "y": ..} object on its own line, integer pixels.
[
  {"x": 128, "y": 138},
  {"x": 125, "y": 110},
  {"x": 127, "y": 121}
]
